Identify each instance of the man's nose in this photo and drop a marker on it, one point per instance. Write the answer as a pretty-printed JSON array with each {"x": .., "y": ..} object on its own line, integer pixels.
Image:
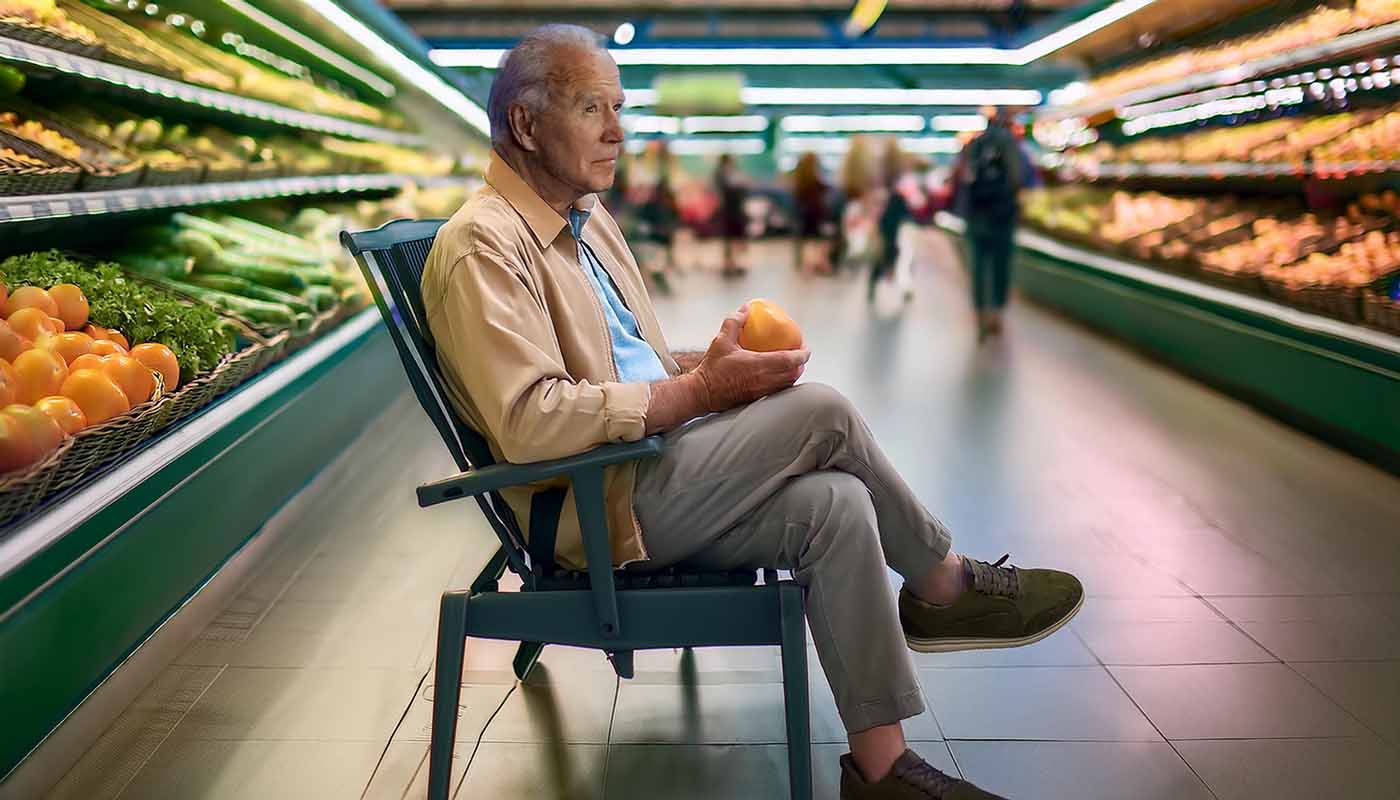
[{"x": 613, "y": 132}]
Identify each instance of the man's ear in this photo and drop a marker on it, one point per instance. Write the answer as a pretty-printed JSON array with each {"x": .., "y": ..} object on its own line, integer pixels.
[{"x": 522, "y": 126}]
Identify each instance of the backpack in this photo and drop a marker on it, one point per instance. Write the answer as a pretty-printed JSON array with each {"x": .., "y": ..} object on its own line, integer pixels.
[{"x": 990, "y": 178}]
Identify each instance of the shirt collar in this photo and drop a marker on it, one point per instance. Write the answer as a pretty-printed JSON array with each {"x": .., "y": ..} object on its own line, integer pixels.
[{"x": 544, "y": 222}]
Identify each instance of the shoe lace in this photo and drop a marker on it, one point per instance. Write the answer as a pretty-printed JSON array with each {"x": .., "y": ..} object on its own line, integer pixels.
[
  {"x": 924, "y": 776},
  {"x": 994, "y": 578}
]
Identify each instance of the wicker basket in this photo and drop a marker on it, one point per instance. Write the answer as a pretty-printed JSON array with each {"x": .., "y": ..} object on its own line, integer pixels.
[
  {"x": 1380, "y": 311},
  {"x": 172, "y": 176},
  {"x": 25, "y": 31},
  {"x": 23, "y": 490},
  {"x": 94, "y": 447},
  {"x": 56, "y": 176},
  {"x": 116, "y": 169}
]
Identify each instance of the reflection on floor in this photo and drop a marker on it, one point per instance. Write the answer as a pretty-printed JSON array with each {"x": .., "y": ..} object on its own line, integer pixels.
[{"x": 1241, "y": 639}]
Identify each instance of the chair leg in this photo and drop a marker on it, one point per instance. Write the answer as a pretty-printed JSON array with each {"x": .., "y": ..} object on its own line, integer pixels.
[
  {"x": 623, "y": 663},
  {"x": 447, "y": 684},
  {"x": 796, "y": 701},
  {"x": 526, "y": 657}
]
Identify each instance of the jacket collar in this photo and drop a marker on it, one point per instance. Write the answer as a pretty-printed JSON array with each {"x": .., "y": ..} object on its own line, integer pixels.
[{"x": 544, "y": 222}]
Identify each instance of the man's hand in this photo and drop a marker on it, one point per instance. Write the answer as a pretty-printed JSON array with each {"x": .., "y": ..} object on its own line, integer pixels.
[{"x": 730, "y": 375}]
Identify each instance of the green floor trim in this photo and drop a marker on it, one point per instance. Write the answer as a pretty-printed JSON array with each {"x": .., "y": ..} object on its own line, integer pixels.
[{"x": 73, "y": 613}]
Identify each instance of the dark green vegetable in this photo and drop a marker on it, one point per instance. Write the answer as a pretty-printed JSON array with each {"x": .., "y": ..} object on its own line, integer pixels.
[
  {"x": 321, "y": 298},
  {"x": 253, "y": 268},
  {"x": 143, "y": 313},
  {"x": 316, "y": 276},
  {"x": 157, "y": 265},
  {"x": 246, "y": 288},
  {"x": 258, "y": 312}
]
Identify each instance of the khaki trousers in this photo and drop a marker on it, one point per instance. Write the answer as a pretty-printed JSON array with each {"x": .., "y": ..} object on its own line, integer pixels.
[{"x": 796, "y": 481}]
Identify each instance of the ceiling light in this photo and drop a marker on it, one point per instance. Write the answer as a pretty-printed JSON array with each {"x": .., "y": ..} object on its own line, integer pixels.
[
  {"x": 760, "y": 96},
  {"x": 959, "y": 123},
  {"x": 800, "y": 123},
  {"x": 624, "y": 33},
  {"x": 747, "y": 123},
  {"x": 313, "y": 47}
]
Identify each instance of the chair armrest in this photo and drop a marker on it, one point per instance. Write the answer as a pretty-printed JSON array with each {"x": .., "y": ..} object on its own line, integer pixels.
[{"x": 499, "y": 476}]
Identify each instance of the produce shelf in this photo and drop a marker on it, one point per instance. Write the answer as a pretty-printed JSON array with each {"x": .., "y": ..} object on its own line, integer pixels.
[
  {"x": 1249, "y": 70},
  {"x": 1360, "y": 176},
  {"x": 37, "y": 56},
  {"x": 29, "y": 208}
]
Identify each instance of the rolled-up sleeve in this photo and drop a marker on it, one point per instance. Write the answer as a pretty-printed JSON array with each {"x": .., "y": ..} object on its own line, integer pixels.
[{"x": 496, "y": 335}]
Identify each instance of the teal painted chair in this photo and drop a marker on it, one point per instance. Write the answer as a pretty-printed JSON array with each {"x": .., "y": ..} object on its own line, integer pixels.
[{"x": 615, "y": 611}]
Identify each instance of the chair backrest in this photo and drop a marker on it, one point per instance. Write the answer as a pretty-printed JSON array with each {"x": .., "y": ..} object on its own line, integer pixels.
[{"x": 392, "y": 258}]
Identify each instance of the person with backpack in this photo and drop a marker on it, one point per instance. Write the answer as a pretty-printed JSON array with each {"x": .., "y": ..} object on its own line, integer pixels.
[{"x": 990, "y": 172}]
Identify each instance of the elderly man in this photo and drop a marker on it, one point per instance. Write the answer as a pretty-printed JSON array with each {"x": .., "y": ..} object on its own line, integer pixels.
[{"x": 549, "y": 346}]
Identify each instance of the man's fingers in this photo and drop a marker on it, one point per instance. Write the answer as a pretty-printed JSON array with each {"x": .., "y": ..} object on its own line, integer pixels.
[{"x": 729, "y": 329}]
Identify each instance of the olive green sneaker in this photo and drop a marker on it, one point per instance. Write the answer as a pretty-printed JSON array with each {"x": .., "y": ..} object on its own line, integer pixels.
[
  {"x": 1002, "y": 607},
  {"x": 911, "y": 778}
]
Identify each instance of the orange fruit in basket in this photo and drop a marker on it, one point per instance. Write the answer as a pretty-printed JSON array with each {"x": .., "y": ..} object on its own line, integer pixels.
[
  {"x": 86, "y": 361},
  {"x": 115, "y": 335},
  {"x": 11, "y": 342},
  {"x": 107, "y": 347},
  {"x": 69, "y": 345},
  {"x": 44, "y": 432},
  {"x": 769, "y": 328},
  {"x": 72, "y": 305},
  {"x": 9, "y": 383},
  {"x": 64, "y": 411},
  {"x": 41, "y": 373},
  {"x": 4, "y": 295},
  {"x": 17, "y": 448},
  {"x": 95, "y": 331},
  {"x": 135, "y": 381},
  {"x": 30, "y": 297},
  {"x": 32, "y": 323},
  {"x": 96, "y": 394},
  {"x": 159, "y": 358}
]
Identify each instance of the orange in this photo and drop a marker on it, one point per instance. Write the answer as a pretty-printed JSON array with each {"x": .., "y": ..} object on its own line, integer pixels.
[
  {"x": 65, "y": 412},
  {"x": 9, "y": 383},
  {"x": 95, "y": 331},
  {"x": 769, "y": 328},
  {"x": 11, "y": 342},
  {"x": 31, "y": 323},
  {"x": 69, "y": 345},
  {"x": 16, "y": 444},
  {"x": 107, "y": 347},
  {"x": 72, "y": 305},
  {"x": 116, "y": 336},
  {"x": 41, "y": 374},
  {"x": 87, "y": 361},
  {"x": 96, "y": 394},
  {"x": 159, "y": 358},
  {"x": 30, "y": 297},
  {"x": 135, "y": 380},
  {"x": 43, "y": 430},
  {"x": 4, "y": 295}
]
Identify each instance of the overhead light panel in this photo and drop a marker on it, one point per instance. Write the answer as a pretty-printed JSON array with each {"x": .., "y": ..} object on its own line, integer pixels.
[
  {"x": 759, "y": 96},
  {"x": 743, "y": 123},
  {"x": 313, "y": 47},
  {"x": 959, "y": 123},
  {"x": 852, "y": 123}
]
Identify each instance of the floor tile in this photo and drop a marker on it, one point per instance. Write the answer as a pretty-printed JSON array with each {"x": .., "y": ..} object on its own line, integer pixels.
[
  {"x": 308, "y": 703},
  {"x": 826, "y": 765},
  {"x": 573, "y": 708},
  {"x": 1342, "y": 628},
  {"x": 697, "y": 772},
  {"x": 227, "y": 770},
  {"x": 826, "y": 720},
  {"x": 712, "y": 714},
  {"x": 1234, "y": 701},
  {"x": 1146, "y": 609},
  {"x": 1079, "y": 770},
  {"x": 536, "y": 772},
  {"x": 1295, "y": 769},
  {"x": 1216, "y": 642},
  {"x": 1053, "y": 703},
  {"x": 1061, "y": 649},
  {"x": 1122, "y": 576},
  {"x": 1371, "y": 691},
  {"x": 476, "y": 704},
  {"x": 402, "y": 774}
]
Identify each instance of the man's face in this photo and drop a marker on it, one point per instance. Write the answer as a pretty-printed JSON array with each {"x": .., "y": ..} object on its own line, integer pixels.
[{"x": 580, "y": 135}]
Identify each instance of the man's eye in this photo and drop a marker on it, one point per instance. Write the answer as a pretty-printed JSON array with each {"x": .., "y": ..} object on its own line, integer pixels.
[
  {"x": 617, "y": 107},
  {"x": 591, "y": 109}
]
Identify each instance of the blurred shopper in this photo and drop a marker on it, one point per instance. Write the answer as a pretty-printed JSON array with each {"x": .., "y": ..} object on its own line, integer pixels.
[
  {"x": 658, "y": 217},
  {"x": 733, "y": 192},
  {"x": 809, "y": 193},
  {"x": 989, "y": 174},
  {"x": 857, "y": 206},
  {"x": 893, "y": 215},
  {"x": 755, "y": 472}
]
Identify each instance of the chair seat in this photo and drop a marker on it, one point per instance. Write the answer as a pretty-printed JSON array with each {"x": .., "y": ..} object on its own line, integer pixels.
[{"x": 673, "y": 578}]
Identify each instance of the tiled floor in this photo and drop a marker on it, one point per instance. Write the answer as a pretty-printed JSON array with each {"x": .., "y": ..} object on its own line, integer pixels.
[{"x": 1241, "y": 638}]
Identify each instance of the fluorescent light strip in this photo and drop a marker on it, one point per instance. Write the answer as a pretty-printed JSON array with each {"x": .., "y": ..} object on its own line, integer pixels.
[
  {"x": 745, "y": 123},
  {"x": 759, "y": 96},
  {"x": 703, "y": 147},
  {"x": 898, "y": 123},
  {"x": 931, "y": 144},
  {"x": 1214, "y": 108},
  {"x": 315, "y": 48},
  {"x": 836, "y": 145},
  {"x": 830, "y": 56},
  {"x": 650, "y": 124},
  {"x": 959, "y": 123},
  {"x": 413, "y": 73}
]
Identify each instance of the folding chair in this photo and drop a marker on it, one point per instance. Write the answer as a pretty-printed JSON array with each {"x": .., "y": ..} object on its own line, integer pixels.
[{"x": 615, "y": 611}]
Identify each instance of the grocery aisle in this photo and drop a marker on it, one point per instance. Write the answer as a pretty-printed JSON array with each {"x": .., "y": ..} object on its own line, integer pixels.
[{"x": 1241, "y": 638}]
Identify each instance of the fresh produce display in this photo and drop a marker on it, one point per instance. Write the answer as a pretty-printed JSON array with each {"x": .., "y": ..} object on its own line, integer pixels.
[
  {"x": 1355, "y": 264},
  {"x": 1312, "y": 28},
  {"x": 45, "y": 14}
]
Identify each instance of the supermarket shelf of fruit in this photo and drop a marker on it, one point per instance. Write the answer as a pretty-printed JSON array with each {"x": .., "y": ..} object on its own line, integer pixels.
[
  {"x": 1340, "y": 46},
  {"x": 58, "y": 61},
  {"x": 23, "y": 543},
  {"x": 27, "y": 208},
  {"x": 1145, "y": 274},
  {"x": 1231, "y": 169}
]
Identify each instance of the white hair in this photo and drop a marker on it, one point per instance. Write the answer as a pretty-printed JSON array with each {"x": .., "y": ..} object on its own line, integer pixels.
[{"x": 524, "y": 74}]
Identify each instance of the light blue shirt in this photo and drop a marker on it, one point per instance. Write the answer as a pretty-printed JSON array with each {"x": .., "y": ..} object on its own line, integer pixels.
[{"x": 636, "y": 361}]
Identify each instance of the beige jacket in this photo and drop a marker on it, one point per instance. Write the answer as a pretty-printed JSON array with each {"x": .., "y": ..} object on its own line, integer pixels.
[{"x": 524, "y": 346}]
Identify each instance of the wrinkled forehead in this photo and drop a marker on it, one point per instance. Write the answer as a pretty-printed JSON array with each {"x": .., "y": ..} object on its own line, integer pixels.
[{"x": 576, "y": 73}]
